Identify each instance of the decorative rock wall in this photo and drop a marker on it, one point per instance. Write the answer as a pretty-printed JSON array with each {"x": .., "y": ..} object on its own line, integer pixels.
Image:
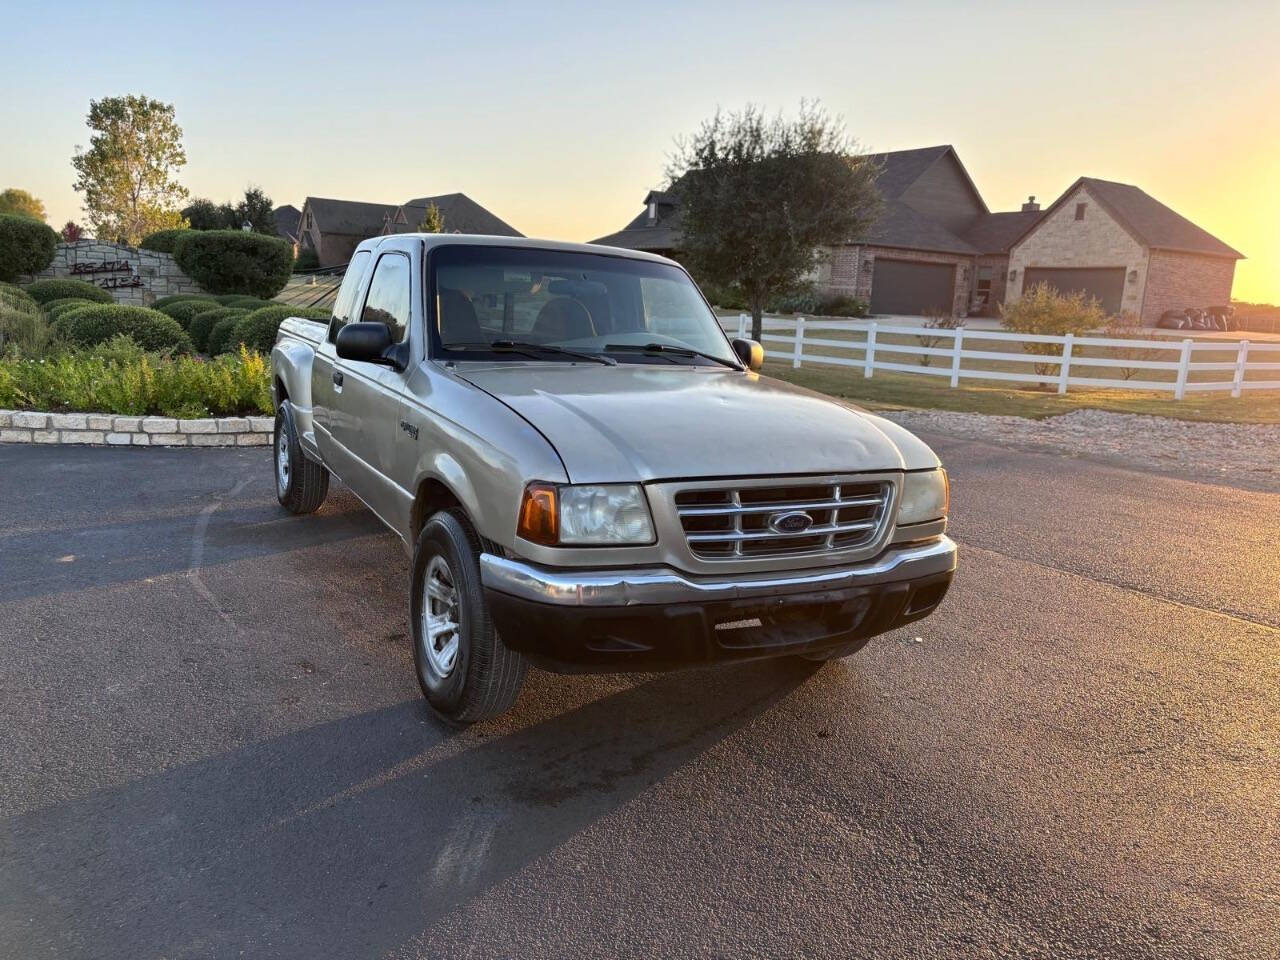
[
  {"x": 23, "y": 426},
  {"x": 132, "y": 276}
]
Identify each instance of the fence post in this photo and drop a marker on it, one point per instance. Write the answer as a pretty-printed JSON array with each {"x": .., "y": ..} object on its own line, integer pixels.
[
  {"x": 799, "y": 347},
  {"x": 869, "y": 361},
  {"x": 955, "y": 356},
  {"x": 1242, "y": 358},
  {"x": 1066, "y": 362},
  {"x": 1184, "y": 361},
  {"x": 742, "y": 326}
]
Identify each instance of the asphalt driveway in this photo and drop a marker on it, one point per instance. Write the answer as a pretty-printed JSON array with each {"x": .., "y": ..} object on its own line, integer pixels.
[{"x": 212, "y": 744}]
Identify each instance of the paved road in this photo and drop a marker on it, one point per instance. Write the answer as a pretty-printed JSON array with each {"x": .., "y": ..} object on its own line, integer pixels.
[{"x": 212, "y": 745}]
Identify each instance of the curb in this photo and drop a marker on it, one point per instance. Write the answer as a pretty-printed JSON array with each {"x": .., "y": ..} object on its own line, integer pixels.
[{"x": 109, "y": 430}]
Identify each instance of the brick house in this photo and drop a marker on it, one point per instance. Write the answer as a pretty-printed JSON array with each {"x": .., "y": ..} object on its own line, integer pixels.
[
  {"x": 333, "y": 228},
  {"x": 936, "y": 245},
  {"x": 1121, "y": 245}
]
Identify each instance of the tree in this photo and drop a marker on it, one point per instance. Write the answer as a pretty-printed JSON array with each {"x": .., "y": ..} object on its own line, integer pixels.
[
  {"x": 761, "y": 197},
  {"x": 433, "y": 221},
  {"x": 128, "y": 174},
  {"x": 204, "y": 214},
  {"x": 256, "y": 209},
  {"x": 22, "y": 204},
  {"x": 71, "y": 231}
]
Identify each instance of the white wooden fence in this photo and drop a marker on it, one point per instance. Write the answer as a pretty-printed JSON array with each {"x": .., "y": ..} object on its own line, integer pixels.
[{"x": 966, "y": 345}]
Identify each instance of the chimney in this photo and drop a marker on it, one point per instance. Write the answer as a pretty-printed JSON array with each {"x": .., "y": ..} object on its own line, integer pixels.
[{"x": 1030, "y": 206}]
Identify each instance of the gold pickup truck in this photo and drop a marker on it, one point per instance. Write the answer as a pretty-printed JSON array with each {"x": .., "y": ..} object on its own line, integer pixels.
[{"x": 590, "y": 475}]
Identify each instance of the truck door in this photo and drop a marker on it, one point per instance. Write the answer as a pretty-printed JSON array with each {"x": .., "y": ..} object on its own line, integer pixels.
[
  {"x": 365, "y": 419},
  {"x": 322, "y": 368}
]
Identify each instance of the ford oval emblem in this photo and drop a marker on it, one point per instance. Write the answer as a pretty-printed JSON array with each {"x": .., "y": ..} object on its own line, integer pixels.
[{"x": 795, "y": 521}]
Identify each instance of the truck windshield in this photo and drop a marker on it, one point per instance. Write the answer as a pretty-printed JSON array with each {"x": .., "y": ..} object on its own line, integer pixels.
[{"x": 489, "y": 297}]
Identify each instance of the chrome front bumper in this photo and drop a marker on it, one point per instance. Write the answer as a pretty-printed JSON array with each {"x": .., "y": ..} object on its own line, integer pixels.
[{"x": 662, "y": 585}]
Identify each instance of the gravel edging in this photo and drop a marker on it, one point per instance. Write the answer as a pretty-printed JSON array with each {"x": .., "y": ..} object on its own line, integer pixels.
[
  {"x": 103, "y": 429},
  {"x": 1246, "y": 455}
]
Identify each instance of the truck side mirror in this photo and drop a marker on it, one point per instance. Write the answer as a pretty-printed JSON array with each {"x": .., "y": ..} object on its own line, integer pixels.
[
  {"x": 370, "y": 343},
  {"x": 750, "y": 353}
]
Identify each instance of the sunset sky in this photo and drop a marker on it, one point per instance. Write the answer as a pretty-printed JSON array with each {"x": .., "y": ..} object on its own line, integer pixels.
[{"x": 559, "y": 116}]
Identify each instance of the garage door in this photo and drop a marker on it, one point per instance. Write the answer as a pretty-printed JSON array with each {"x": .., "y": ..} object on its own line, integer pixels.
[
  {"x": 1105, "y": 283},
  {"x": 902, "y": 286}
]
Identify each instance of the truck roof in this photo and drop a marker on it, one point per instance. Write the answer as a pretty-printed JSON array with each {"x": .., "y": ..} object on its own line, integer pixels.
[{"x": 528, "y": 243}]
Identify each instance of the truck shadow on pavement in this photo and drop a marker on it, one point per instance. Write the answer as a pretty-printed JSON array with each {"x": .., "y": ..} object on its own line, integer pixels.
[{"x": 348, "y": 838}]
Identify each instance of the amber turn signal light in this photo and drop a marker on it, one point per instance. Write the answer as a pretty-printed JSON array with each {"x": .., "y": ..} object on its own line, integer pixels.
[{"x": 539, "y": 515}]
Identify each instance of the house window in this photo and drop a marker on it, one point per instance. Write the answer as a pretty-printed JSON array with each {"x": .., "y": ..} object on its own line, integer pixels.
[
  {"x": 310, "y": 221},
  {"x": 653, "y": 213},
  {"x": 1080, "y": 208},
  {"x": 984, "y": 280}
]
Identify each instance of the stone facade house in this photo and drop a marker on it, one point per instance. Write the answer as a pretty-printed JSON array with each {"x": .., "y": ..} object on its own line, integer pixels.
[
  {"x": 333, "y": 228},
  {"x": 935, "y": 245},
  {"x": 1117, "y": 243}
]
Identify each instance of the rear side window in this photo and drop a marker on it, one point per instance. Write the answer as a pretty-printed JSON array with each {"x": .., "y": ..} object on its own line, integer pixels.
[
  {"x": 388, "y": 299},
  {"x": 346, "y": 301}
]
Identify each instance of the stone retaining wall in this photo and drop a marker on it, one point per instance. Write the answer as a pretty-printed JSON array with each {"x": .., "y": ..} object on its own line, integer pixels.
[
  {"x": 131, "y": 275},
  {"x": 21, "y": 426}
]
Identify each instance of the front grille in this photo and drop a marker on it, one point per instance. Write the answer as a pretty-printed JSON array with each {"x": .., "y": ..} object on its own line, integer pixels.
[{"x": 732, "y": 522}]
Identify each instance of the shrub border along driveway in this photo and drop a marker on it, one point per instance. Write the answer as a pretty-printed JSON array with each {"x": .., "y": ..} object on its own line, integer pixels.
[{"x": 101, "y": 429}]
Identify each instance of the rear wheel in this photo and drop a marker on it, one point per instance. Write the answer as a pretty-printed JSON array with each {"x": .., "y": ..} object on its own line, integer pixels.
[
  {"x": 301, "y": 483},
  {"x": 464, "y": 669}
]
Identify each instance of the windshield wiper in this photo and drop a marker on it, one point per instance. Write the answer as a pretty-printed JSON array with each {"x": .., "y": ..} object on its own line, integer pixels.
[
  {"x": 532, "y": 350},
  {"x": 668, "y": 348}
]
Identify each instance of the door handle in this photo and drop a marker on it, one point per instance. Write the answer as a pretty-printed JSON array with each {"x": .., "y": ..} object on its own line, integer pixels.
[{"x": 337, "y": 378}]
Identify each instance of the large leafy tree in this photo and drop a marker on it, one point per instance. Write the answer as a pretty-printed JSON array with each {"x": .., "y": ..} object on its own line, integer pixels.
[
  {"x": 128, "y": 174},
  {"x": 256, "y": 210},
  {"x": 204, "y": 214},
  {"x": 760, "y": 198},
  {"x": 21, "y": 203}
]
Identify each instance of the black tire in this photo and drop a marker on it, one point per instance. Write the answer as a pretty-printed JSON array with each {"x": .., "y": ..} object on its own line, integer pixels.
[
  {"x": 301, "y": 483},
  {"x": 485, "y": 677}
]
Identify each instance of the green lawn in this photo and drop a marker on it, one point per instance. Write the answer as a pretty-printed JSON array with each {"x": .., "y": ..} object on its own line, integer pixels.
[{"x": 889, "y": 391}]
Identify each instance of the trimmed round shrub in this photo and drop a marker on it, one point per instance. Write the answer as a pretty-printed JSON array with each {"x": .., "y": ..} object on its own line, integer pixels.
[
  {"x": 202, "y": 324},
  {"x": 17, "y": 300},
  {"x": 235, "y": 261},
  {"x": 220, "y": 336},
  {"x": 184, "y": 310},
  {"x": 162, "y": 241},
  {"x": 257, "y": 330},
  {"x": 27, "y": 246},
  {"x": 244, "y": 303},
  {"x": 179, "y": 297},
  {"x": 60, "y": 308},
  {"x": 149, "y": 329},
  {"x": 63, "y": 288}
]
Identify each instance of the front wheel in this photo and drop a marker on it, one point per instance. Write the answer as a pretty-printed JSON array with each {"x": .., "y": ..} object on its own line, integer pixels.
[
  {"x": 301, "y": 483},
  {"x": 464, "y": 669}
]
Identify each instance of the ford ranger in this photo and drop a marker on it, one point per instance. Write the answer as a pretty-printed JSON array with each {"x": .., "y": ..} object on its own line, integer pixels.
[{"x": 589, "y": 475}]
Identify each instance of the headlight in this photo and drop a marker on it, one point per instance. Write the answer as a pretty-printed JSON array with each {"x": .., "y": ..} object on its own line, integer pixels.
[
  {"x": 585, "y": 515},
  {"x": 925, "y": 496}
]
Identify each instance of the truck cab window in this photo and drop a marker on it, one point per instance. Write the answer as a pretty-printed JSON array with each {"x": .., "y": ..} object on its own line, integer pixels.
[
  {"x": 388, "y": 299},
  {"x": 346, "y": 300}
]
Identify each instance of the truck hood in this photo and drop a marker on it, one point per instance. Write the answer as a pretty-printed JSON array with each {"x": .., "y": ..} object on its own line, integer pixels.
[{"x": 647, "y": 422}]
